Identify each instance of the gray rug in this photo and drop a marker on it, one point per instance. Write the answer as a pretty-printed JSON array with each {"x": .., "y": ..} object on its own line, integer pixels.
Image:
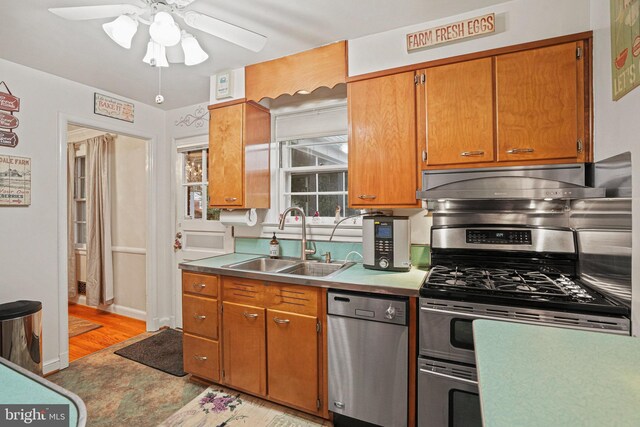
[{"x": 162, "y": 351}]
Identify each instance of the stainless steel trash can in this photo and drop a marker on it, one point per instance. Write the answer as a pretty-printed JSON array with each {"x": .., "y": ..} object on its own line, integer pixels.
[{"x": 21, "y": 334}]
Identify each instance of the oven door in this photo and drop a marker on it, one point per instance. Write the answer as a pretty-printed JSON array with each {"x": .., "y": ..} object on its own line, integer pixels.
[
  {"x": 445, "y": 334},
  {"x": 447, "y": 395}
]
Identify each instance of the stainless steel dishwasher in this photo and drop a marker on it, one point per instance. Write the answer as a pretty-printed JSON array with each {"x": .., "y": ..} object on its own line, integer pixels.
[{"x": 368, "y": 340}]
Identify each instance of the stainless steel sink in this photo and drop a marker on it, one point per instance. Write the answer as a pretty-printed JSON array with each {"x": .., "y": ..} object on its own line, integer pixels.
[
  {"x": 268, "y": 265},
  {"x": 315, "y": 269}
]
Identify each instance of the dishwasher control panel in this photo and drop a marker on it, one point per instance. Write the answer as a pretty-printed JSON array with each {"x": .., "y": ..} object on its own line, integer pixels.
[{"x": 368, "y": 307}]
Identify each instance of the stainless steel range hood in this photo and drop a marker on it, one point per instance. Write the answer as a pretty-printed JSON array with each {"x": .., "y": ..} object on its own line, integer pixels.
[{"x": 547, "y": 182}]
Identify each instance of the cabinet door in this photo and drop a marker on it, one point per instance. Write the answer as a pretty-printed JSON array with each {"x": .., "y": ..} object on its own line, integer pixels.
[
  {"x": 459, "y": 113},
  {"x": 537, "y": 103},
  {"x": 244, "y": 352},
  {"x": 226, "y": 156},
  {"x": 292, "y": 340},
  {"x": 382, "y": 142}
]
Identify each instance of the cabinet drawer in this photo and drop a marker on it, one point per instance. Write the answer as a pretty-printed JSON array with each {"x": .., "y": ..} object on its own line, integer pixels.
[
  {"x": 294, "y": 299},
  {"x": 201, "y": 357},
  {"x": 243, "y": 291},
  {"x": 200, "y": 284},
  {"x": 200, "y": 316}
]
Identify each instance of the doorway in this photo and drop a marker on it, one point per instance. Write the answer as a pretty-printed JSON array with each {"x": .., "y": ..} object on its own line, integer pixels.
[{"x": 92, "y": 325}]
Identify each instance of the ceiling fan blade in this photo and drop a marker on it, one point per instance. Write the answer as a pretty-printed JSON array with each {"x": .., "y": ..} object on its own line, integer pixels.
[
  {"x": 80, "y": 13},
  {"x": 224, "y": 30}
]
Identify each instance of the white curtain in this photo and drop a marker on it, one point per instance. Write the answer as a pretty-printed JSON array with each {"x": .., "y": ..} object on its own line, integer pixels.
[
  {"x": 72, "y": 281},
  {"x": 99, "y": 257}
]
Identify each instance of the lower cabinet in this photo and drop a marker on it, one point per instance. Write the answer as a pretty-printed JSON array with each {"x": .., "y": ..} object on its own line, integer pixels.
[{"x": 201, "y": 357}]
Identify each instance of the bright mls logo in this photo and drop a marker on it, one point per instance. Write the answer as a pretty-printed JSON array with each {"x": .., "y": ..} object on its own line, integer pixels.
[{"x": 34, "y": 415}]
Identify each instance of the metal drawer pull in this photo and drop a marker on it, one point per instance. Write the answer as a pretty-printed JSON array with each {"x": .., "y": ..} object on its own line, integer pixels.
[
  {"x": 367, "y": 196},
  {"x": 199, "y": 285},
  {"x": 230, "y": 199},
  {"x": 281, "y": 321},
  {"x": 250, "y": 315},
  {"x": 472, "y": 153},
  {"x": 339, "y": 405},
  {"x": 200, "y": 357},
  {"x": 520, "y": 150},
  {"x": 199, "y": 317}
]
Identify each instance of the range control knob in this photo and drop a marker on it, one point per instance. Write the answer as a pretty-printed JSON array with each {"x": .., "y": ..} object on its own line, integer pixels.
[
  {"x": 390, "y": 312},
  {"x": 383, "y": 263}
]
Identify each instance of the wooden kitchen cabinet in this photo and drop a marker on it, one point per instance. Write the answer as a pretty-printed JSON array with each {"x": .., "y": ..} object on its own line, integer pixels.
[
  {"x": 239, "y": 136},
  {"x": 456, "y": 113},
  {"x": 244, "y": 347},
  {"x": 382, "y": 142},
  {"x": 273, "y": 342},
  {"x": 200, "y": 324},
  {"x": 540, "y": 95}
]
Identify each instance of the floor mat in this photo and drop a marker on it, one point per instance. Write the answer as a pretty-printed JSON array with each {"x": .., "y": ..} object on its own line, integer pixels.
[
  {"x": 217, "y": 406},
  {"x": 162, "y": 351},
  {"x": 78, "y": 326}
]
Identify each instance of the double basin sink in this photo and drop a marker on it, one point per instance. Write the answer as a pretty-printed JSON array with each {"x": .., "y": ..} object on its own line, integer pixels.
[{"x": 293, "y": 267}]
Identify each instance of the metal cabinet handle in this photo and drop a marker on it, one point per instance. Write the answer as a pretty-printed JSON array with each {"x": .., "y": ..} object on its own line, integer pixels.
[
  {"x": 199, "y": 285},
  {"x": 199, "y": 317},
  {"x": 520, "y": 150},
  {"x": 424, "y": 156},
  {"x": 438, "y": 374},
  {"x": 200, "y": 357},
  {"x": 230, "y": 199},
  {"x": 472, "y": 153},
  {"x": 250, "y": 315},
  {"x": 367, "y": 196},
  {"x": 281, "y": 321},
  {"x": 339, "y": 405}
]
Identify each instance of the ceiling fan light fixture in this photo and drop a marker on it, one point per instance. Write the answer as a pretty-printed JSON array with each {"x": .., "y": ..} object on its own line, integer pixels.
[
  {"x": 193, "y": 53},
  {"x": 156, "y": 55},
  {"x": 121, "y": 30},
  {"x": 164, "y": 29}
]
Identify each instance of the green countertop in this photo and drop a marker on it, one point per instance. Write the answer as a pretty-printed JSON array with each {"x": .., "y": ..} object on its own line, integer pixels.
[
  {"x": 356, "y": 277},
  {"x": 543, "y": 376},
  {"x": 20, "y": 387}
]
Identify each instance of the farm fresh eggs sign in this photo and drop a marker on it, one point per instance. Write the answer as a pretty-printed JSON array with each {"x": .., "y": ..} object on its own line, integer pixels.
[{"x": 446, "y": 33}]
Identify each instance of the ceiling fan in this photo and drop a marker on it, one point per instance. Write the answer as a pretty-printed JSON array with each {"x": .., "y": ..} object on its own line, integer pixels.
[{"x": 163, "y": 30}]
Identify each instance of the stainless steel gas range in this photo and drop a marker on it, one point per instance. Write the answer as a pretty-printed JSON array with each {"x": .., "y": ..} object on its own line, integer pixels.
[{"x": 525, "y": 274}]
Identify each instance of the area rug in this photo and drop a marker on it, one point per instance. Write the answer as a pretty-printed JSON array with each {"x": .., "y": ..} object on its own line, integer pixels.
[
  {"x": 218, "y": 407},
  {"x": 120, "y": 392},
  {"x": 162, "y": 351},
  {"x": 78, "y": 326}
]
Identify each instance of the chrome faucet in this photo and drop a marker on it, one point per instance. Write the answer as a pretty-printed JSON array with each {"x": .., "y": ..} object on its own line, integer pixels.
[{"x": 303, "y": 244}]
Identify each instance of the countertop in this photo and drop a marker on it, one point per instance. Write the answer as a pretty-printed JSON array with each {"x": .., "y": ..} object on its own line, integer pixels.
[
  {"x": 354, "y": 278},
  {"x": 543, "y": 376},
  {"x": 21, "y": 387}
]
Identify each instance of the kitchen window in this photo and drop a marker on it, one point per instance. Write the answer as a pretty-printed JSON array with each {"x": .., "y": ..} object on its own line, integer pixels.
[
  {"x": 194, "y": 184},
  {"x": 80, "y": 202}
]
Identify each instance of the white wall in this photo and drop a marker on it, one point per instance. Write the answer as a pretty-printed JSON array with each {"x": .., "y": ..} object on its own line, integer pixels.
[
  {"x": 617, "y": 129},
  {"x": 29, "y": 255}
]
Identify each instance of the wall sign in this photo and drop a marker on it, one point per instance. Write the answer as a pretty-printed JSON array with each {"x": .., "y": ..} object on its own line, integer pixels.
[
  {"x": 9, "y": 104},
  {"x": 456, "y": 31},
  {"x": 108, "y": 106},
  {"x": 223, "y": 85},
  {"x": 625, "y": 46},
  {"x": 15, "y": 181}
]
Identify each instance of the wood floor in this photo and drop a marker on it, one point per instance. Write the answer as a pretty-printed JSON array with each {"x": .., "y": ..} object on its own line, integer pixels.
[{"x": 115, "y": 329}]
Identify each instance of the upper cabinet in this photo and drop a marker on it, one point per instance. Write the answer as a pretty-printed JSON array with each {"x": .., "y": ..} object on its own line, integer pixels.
[
  {"x": 539, "y": 104},
  {"x": 382, "y": 142},
  {"x": 239, "y": 135}
]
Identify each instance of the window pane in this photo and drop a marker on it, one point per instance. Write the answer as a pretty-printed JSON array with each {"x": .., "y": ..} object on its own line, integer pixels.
[
  {"x": 306, "y": 203},
  {"x": 81, "y": 188},
  {"x": 213, "y": 214},
  {"x": 81, "y": 233},
  {"x": 317, "y": 151},
  {"x": 81, "y": 211},
  {"x": 303, "y": 183},
  {"x": 194, "y": 202},
  {"x": 333, "y": 181},
  {"x": 193, "y": 166},
  {"x": 328, "y": 204}
]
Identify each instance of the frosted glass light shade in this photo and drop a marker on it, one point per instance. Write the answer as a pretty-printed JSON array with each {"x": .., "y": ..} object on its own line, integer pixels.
[
  {"x": 193, "y": 53},
  {"x": 121, "y": 30},
  {"x": 164, "y": 30},
  {"x": 156, "y": 55}
]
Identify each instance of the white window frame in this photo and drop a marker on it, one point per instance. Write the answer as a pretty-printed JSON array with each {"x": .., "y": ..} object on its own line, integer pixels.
[{"x": 77, "y": 178}]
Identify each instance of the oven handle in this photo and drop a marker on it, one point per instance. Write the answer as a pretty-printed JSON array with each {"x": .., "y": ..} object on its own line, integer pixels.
[
  {"x": 449, "y": 377},
  {"x": 478, "y": 316}
]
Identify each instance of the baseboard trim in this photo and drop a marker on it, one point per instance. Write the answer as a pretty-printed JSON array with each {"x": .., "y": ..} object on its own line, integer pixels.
[
  {"x": 51, "y": 366},
  {"x": 118, "y": 309}
]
